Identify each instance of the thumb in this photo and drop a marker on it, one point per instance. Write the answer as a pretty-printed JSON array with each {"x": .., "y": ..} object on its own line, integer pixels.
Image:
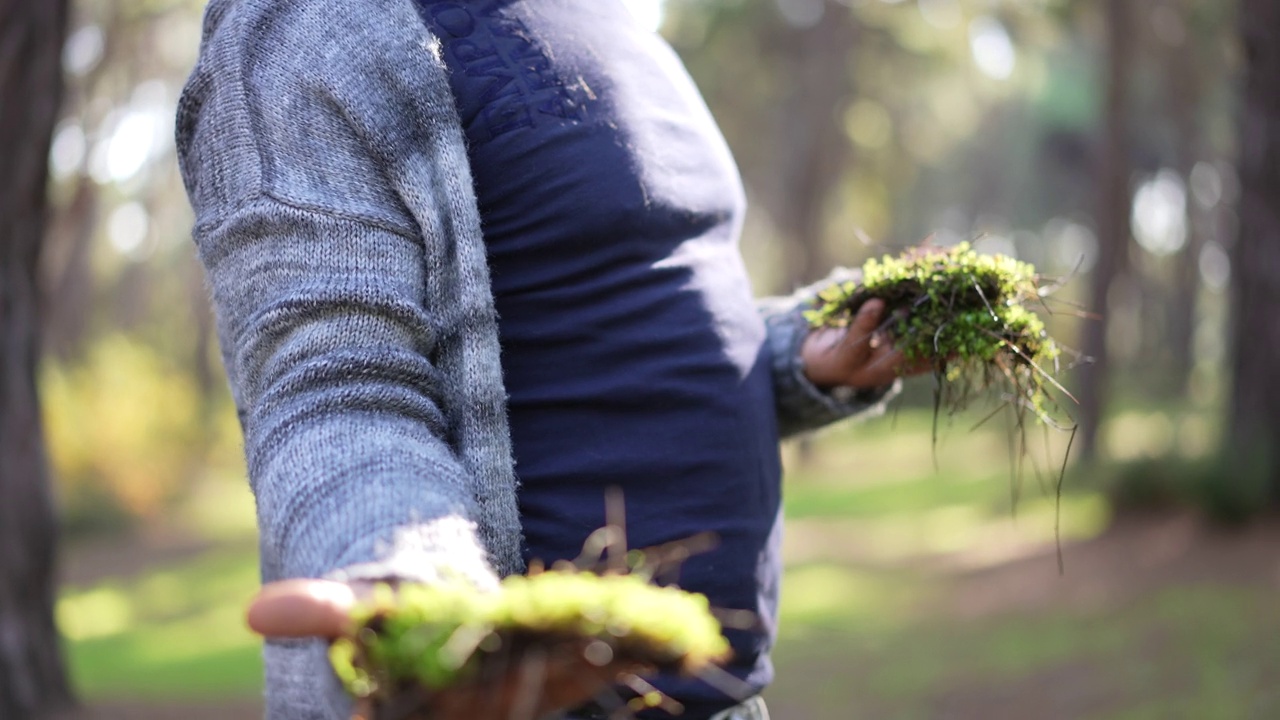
[{"x": 302, "y": 608}]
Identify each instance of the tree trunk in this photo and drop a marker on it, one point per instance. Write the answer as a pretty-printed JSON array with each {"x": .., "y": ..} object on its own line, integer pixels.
[
  {"x": 808, "y": 146},
  {"x": 1184, "y": 83},
  {"x": 67, "y": 277},
  {"x": 1255, "y": 396},
  {"x": 813, "y": 147},
  {"x": 32, "y": 680},
  {"x": 1114, "y": 204}
]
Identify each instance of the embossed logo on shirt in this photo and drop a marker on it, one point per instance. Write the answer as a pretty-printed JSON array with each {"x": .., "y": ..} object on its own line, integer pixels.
[{"x": 520, "y": 87}]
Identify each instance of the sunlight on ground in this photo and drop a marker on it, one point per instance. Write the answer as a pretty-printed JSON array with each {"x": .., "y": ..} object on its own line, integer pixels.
[
  {"x": 177, "y": 632},
  {"x": 953, "y": 536},
  {"x": 826, "y": 594},
  {"x": 97, "y": 613},
  {"x": 1184, "y": 652}
]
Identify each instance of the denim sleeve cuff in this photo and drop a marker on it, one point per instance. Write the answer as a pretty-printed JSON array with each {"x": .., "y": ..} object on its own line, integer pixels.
[{"x": 802, "y": 406}]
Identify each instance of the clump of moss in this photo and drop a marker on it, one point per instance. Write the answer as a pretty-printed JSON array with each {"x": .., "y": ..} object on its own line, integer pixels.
[
  {"x": 453, "y": 651},
  {"x": 963, "y": 312}
]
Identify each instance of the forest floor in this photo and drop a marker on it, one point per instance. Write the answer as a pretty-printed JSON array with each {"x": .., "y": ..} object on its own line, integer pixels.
[{"x": 1159, "y": 616}]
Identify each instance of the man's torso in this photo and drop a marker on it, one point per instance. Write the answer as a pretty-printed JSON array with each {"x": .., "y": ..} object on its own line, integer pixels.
[{"x": 632, "y": 353}]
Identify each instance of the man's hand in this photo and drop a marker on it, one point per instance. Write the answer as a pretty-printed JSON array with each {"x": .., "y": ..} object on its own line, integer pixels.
[
  {"x": 860, "y": 356},
  {"x": 302, "y": 608},
  {"x": 534, "y": 681}
]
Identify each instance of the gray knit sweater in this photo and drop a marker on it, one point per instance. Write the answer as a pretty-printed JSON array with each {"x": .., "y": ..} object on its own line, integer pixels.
[{"x": 337, "y": 223}]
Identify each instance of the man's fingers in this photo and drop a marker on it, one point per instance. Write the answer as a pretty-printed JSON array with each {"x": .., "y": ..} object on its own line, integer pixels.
[
  {"x": 301, "y": 608},
  {"x": 883, "y": 366},
  {"x": 863, "y": 334},
  {"x": 862, "y": 355},
  {"x": 867, "y": 321}
]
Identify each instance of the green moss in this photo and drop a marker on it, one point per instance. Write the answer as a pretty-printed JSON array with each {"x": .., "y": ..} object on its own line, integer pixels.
[
  {"x": 964, "y": 312},
  {"x": 436, "y": 636}
]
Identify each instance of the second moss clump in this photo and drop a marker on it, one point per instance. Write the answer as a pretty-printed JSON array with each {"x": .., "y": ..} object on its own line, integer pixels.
[
  {"x": 422, "y": 641},
  {"x": 963, "y": 312}
]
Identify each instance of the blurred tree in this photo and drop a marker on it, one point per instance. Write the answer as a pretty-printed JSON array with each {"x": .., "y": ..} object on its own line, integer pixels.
[
  {"x": 1190, "y": 35},
  {"x": 788, "y": 82},
  {"x": 813, "y": 148},
  {"x": 1185, "y": 72},
  {"x": 1113, "y": 211},
  {"x": 131, "y": 397},
  {"x": 1255, "y": 398},
  {"x": 32, "y": 679}
]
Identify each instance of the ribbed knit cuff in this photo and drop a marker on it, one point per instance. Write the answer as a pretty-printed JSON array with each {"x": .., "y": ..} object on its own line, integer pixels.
[{"x": 443, "y": 550}]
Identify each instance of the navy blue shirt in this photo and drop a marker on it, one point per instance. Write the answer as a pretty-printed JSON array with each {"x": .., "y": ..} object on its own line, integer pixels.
[{"x": 632, "y": 352}]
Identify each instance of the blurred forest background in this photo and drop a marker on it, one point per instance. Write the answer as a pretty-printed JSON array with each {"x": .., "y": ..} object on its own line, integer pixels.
[{"x": 1129, "y": 147}]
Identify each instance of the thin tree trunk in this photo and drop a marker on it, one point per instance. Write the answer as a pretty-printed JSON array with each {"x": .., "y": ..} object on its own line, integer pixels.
[
  {"x": 814, "y": 147},
  {"x": 68, "y": 298},
  {"x": 32, "y": 680},
  {"x": 1255, "y": 396},
  {"x": 1185, "y": 88},
  {"x": 1114, "y": 204}
]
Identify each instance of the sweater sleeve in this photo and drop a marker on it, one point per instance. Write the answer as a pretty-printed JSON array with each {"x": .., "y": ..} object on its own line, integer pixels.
[
  {"x": 328, "y": 348},
  {"x": 335, "y": 222},
  {"x": 801, "y": 405}
]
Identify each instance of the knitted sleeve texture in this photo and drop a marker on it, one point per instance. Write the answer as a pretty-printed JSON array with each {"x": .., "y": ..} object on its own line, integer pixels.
[
  {"x": 347, "y": 439},
  {"x": 336, "y": 221},
  {"x": 337, "y": 225}
]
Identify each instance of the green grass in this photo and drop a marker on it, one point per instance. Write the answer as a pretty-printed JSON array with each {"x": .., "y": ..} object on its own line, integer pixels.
[
  {"x": 869, "y": 501},
  {"x": 172, "y": 633},
  {"x": 857, "y": 638},
  {"x": 1185, "y": 651},
  {"x": 850, "y": 639}
]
